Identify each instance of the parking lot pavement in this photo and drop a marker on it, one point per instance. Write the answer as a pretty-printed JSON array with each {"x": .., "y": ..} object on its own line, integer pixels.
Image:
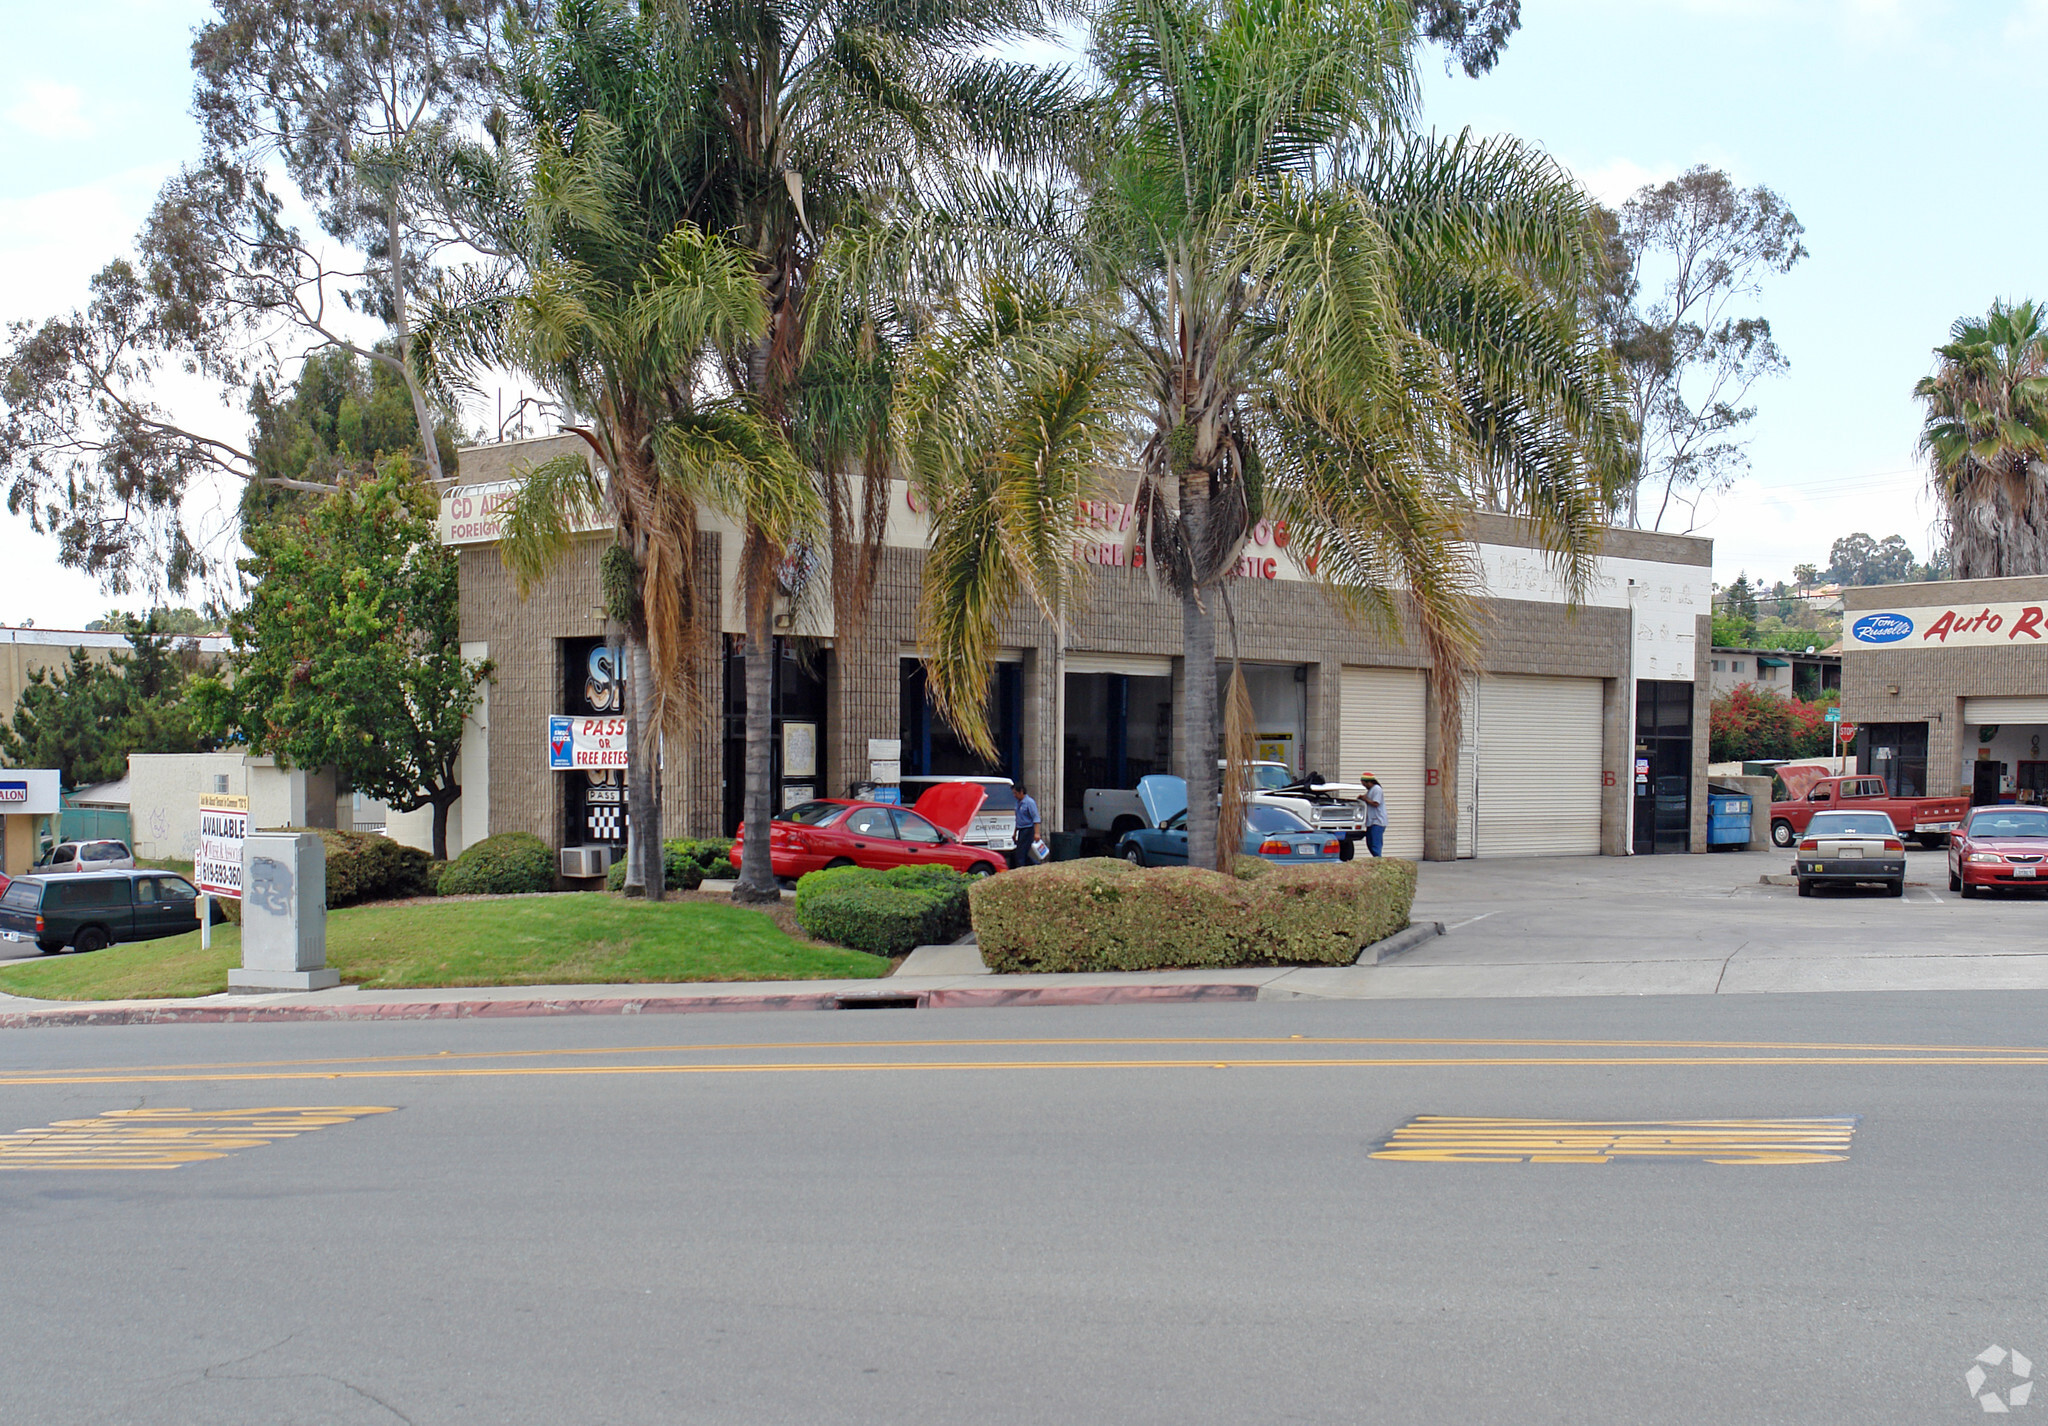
[{"x": 1707, "y": 924}]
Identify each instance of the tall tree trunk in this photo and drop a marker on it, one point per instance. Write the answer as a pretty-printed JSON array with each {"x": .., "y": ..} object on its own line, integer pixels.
[
  {"x": 444, "y": 798},
  {"x": 401, "y": 326},
  {"x": 757, "y": 869},
  {"x": 1198, "y": 649},
  {"x": 644, "y": 868}
]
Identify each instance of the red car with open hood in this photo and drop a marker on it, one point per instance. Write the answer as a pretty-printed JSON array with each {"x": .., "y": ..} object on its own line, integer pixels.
[{"x": 844, "y": 832}]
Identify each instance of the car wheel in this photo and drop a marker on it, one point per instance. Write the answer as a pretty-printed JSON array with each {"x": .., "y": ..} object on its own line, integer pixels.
[
  {"x": 979, "y": 870},
  {"x": 92, "y": 938},
  {"x": 1955, "y": 883},
  {"x": 1134, "y": 854},
  {"x": 1805, "y": 887},
  {"x": 839, "y": 862},
  {"x": 1782, "y": 834},
  {"x": 1895, "y": 888}
]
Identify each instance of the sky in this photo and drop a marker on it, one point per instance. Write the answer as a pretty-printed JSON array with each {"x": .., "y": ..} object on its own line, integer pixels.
[{"x": 1895, "y": 129}]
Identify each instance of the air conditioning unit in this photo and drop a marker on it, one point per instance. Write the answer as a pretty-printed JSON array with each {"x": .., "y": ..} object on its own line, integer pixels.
[{"x": 593, "y": 860}]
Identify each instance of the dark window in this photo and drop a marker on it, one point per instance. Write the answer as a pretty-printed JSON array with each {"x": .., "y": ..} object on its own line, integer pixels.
[
  {"x": 1662, "y": 774},
  {"x": 870, "y": 822},
  {"x": 176, "y": 888},
  {"x": 796, "y": 695},
  {"x": 1835, "y": 824},
  {"x": 2009, "y": 822},
  {"x": 812, "y": 814},
  {"x": 64, "y": 856},
  {"x": 1263, "y": 820},
  {"x": 594, "y": 799},
  {"x": 96, "y": 892},
  {"x": 26, "y": 895},
  {"x": 1896, "y": 752},
  {"x": 912, "y": 828},
  {"x": 146, "y": 891}
]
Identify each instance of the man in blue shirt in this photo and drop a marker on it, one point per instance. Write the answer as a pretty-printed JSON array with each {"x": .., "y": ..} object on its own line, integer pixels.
[
  {"x": 1027, "y": 830},
  {"x": 1375, "y": 814}
]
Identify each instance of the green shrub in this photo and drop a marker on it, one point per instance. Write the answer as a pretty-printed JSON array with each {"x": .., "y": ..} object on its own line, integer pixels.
[
  {"x": 684, "y": 870},
  {"x": 1107, "y": 915},
  {"x": 504, "y": 865},
  {"x": 418, "y": 873},
  {"x": 361, "y": 866},
  {"x": 885, "y": 913}
]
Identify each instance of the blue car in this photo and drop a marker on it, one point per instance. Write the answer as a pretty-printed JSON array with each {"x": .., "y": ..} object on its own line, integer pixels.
[{"x": 1270, "y": 832}]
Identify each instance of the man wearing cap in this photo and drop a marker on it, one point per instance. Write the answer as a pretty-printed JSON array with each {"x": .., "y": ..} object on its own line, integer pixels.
[{"x": 1375, "y": 813}]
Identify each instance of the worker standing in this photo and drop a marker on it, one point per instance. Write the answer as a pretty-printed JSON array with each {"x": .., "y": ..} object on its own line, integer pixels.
[{"x": 1375, "y": 814}]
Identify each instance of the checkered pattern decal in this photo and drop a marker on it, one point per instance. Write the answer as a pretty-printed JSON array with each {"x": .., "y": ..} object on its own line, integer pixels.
[{"x": 605, "y": 822}]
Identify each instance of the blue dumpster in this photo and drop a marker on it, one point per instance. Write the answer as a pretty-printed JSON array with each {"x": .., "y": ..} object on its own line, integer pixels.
[{"x": 1727, "y": 818}]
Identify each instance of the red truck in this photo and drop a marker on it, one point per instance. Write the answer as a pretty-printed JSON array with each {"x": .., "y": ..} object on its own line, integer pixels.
[{"x": 1923, "y": 819}]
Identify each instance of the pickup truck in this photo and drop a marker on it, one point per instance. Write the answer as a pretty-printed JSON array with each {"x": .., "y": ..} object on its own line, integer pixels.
[
  {"x": 1333, "y": 807},
  {"x": 1922, "y": 819}
]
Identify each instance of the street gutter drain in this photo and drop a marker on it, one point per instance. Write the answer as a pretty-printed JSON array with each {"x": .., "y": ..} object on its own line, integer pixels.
[{"x": 878, "y": 1002}]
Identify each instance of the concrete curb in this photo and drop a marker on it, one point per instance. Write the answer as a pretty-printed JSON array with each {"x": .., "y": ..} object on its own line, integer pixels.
[
  {"x": 1778, "y": 879},
  {"x": 961, "y": 998},
  {"x": 1380, "y": 952}
]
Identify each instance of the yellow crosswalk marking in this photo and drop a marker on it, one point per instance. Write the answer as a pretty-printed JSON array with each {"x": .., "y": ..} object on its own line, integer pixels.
[
  {"x": 1442, "y": 1138},
  {"x": 164, "y": 1138}
]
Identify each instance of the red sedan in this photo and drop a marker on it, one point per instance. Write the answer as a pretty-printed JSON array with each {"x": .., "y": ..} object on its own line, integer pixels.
[
  {"x": 838, "y": 832},
  {"x": 1999, "y": 846}
]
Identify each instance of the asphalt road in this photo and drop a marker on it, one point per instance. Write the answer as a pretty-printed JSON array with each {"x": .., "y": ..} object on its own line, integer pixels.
[{"x": 1130, "y": 1215}]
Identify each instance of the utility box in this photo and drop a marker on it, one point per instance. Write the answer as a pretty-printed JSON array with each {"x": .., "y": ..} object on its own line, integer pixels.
[{"x": 284, "y": 914}]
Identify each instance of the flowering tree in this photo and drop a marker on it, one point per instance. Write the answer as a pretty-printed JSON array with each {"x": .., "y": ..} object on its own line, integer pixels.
[{"x": 1756, "y": 724}]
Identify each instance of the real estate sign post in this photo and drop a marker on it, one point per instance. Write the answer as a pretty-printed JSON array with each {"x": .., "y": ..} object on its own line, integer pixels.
[{"x": 217, "y": 867}]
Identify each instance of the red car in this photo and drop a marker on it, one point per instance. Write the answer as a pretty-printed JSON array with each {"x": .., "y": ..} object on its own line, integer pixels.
[
  {"x": 1999, "y": 846},
  {"x": 840, "y": 832}
]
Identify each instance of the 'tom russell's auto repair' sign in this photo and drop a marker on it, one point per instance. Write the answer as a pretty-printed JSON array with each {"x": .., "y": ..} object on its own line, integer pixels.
[{"x": 1948, "y": 627}]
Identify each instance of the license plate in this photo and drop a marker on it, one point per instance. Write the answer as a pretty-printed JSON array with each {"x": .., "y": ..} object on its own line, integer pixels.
[
  {"x": 23, "y": 936},
  {"x": 2024, "y": 871},
  {"x": 1936, "y": 826},
  {"x": 1849, "y": 853}
]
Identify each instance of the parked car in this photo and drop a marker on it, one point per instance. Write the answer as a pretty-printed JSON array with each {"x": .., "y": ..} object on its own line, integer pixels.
[
  {"x": 1925, "y": 819},
  {"x": 1999, "y": 847},
  {"x": 842, "y": 832},
  {"x": 1843, "y": 848},
  {"x": 1270, "y": 832},
  {"x": 1334, "y": 806},
  {"x": 995, "y": 825},
  {"x": 67, "y": 858},
  {"x": 92, "y": 910}
]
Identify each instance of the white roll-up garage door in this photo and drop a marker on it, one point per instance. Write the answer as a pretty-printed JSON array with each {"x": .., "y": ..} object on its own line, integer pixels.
[
  {"x": 2005, "y": 710},
  {"x": 1533, "y": 749},
  {"x": 1384, "y": 709}
]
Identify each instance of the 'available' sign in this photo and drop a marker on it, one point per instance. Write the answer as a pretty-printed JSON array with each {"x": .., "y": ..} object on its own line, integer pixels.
[{"x": 1948, "y": 627}]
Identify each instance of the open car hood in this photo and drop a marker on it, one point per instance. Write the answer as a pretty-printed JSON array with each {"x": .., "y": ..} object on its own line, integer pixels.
[
  {"x": 950, "y": 806},
  {"x": 1161, "y": 795}
]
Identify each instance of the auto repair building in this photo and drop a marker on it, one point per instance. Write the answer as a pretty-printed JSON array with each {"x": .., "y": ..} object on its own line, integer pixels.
[
  {"x": 1578, "y": 734},
  {"x": 1948, "y": 686}
]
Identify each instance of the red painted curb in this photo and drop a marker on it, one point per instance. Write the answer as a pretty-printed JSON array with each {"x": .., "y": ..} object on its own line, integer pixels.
[{"x": 963, "y": 998}]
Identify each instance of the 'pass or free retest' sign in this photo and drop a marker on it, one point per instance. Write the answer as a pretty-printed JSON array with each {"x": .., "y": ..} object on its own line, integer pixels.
[{"x": 575, "y": 742}]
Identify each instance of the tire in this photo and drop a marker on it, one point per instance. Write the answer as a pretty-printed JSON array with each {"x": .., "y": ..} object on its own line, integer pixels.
[
  {"x": 839, "y": 862},
  {"x": 1895, "y": 888},
  {"x": 1955, "y": 883},
  {"x": 980, "y": 870},
  {"x": 91, "y": 938},
  {"x": 50, "y": 948},
  {"x": 1134, "y": 854},
  {"x": 1805, "y": 887},
  {"x": 1968, "y": 892},
  {"x": 1782, "y": 834}
]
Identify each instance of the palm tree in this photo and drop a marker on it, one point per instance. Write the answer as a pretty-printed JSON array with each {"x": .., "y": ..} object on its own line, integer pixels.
[
  {"x": 1986, "y": 438},
  {"x": 818, "y": 117},
  {"x": 615, "y": 306},
  {"x": 1322, "y": 318}
]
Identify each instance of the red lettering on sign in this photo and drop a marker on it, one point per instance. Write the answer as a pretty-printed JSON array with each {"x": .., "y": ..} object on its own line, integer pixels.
[
  {"x": 1607, "y": 779},
  {"x": 1429, "y": 777},
  {"x": 1941, "y": 628},
  {"x": 2029, "y": 623},
  {"x": 1280, "y": 535}
]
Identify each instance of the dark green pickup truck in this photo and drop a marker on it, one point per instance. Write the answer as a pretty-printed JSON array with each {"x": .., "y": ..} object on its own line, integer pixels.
[{"x": 88, "y": 910}]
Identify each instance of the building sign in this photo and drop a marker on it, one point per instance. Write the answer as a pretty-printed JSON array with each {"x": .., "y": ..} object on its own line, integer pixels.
[
  {"x": 1949, "y": 626},
  {"x": 217, "y": 863},
  {"x": 475, "y": 514},
  {"x": 14, "y": 794},
  {"x": 585, "y": 742}
]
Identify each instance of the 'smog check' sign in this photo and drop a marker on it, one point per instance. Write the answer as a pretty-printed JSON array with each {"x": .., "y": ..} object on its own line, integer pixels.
[{"x": 585, "y": 742}]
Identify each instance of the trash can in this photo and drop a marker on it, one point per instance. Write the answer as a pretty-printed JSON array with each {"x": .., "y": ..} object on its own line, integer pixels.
[
  {"x": 1066, "y": 846},
  {"x": 1727, "y": 818}
]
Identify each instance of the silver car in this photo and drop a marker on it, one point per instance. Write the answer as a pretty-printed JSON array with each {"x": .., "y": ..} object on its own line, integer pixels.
[
  {"x": 1844, "y": 848},
  {"x": 99, "y": 855}
]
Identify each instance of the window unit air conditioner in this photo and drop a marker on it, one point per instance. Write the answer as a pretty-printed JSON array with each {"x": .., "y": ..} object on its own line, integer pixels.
[{"x": 586, "y": 861}]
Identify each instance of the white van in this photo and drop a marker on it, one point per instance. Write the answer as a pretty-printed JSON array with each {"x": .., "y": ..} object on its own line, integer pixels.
[{"x": 994, "y": 826}]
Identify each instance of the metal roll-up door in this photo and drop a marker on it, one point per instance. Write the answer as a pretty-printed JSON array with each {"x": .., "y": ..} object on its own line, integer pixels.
[
  {"x": 2005, "y": 710},
  {"x": 1468, "y": 769},
  {"x": 1384, "y": 712},
  {"x": 1137, "y": 665},
  {"x": 1538, "y": 767}
]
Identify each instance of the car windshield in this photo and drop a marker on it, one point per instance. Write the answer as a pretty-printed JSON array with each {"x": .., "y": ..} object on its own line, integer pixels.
[
  {"x": 812, "y": 814},
  {"x": 2009, "y": 822},
  {"x": 1851, "y": 824},
  {"x": 1271, "y": 779},
  {"x": 22, "y": 893},
  {"x": 1268, "y": 820}
]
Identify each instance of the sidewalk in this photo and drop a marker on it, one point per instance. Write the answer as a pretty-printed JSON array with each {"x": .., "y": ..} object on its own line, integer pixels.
[{"x": 1550, "y": 927}]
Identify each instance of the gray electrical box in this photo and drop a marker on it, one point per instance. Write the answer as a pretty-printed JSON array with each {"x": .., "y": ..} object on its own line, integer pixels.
[{"x": 284, "y": 914}]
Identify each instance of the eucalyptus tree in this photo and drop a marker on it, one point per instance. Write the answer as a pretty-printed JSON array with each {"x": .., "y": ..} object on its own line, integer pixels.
[
  {"x": 1312, "y": 314},
  {"x": 1985, "y": 436},
  {"x": 615, "y": 305}
]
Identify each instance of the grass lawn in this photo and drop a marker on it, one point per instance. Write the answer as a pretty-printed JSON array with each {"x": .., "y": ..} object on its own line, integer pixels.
[{"x": 519, "y": 940}]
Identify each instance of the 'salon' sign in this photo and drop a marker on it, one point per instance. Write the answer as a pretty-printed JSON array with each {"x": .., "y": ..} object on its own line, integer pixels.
[{"x": 1948, "y": 627}]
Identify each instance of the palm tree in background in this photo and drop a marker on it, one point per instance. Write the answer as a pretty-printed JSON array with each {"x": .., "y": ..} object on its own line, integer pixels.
[
  {"x": 1985, "y": 437},
  {"x": 1268, "y": 299},
  {"x": 617, "y": 307}
]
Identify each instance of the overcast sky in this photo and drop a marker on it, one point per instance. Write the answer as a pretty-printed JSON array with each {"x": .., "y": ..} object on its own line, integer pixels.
[{"x": 1900, "y": 132}]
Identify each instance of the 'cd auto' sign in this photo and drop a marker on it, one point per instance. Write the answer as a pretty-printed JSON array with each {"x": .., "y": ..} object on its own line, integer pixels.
[
  {"x": 585, "y": 742},
  {"x": 1950, "y": 626}
]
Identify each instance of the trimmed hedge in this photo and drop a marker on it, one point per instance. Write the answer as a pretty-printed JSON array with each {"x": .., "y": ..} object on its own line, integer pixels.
[
  {"x": 504, "y": 865},
  {"x": 885, "y": 913},
  {"x": 686, "y": 864},
  {"x": 367, "y": 866},
  {"x": 1104, "y": 914}
]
